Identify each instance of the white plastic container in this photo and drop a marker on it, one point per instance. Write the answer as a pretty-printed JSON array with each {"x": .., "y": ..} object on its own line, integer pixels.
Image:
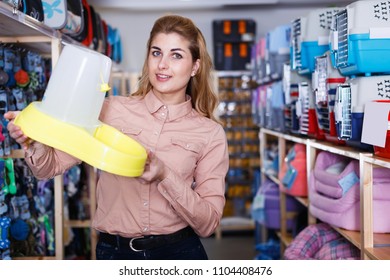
[{"x": 74, "y": 94}]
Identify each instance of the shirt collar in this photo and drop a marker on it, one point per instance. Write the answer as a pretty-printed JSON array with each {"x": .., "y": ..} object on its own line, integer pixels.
[{"x": 174, "y": 111}]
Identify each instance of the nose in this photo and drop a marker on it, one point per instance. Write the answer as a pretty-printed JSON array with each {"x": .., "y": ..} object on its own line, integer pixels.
[{"x": 163, "y": 64}]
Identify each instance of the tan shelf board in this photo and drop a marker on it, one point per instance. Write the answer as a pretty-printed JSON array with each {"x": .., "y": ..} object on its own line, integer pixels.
[
  {"x": 35, "y": 258},
  {"x": 380, "y": 239},
  {"x": 351, "y": 236},
  {"x": 15, "y": 154},
  {"x": 340, "y": 150},
  {"x": 295, "y": 139},
  {"x": 380, "y": 161},
  {"x": 271, "y": 132},
  {"x": 238, "y": 73},
  {"x": 286, "y": 240},
  {"x": 229, "y": 223},
  {"x": 77, "y": 223},
  {"x": 274, "y": 178},
  {"x": 378, "y": 253},
  {"x": 289, "y": 137},
  {"x": 237, "y": 227},
  {"x": 291, "y": 215},
  {"x": 303, "y": 200}
]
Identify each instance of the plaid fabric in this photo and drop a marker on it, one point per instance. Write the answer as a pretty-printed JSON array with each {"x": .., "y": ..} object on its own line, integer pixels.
[{"x": 321, "y": 242}]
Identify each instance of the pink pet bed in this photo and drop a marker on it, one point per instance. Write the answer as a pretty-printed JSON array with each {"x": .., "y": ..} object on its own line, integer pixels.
[
  {"x": 293, "y": 172},
  {"x": 334, "y": 191},
  {"x": 321, "y": 242}
]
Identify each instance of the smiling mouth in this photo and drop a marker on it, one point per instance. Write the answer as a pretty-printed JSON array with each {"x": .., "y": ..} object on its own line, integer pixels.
[{"x": 161, "y": 76}]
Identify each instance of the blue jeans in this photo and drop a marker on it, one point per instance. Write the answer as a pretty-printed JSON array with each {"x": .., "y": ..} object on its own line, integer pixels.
[{"x": 190, "y": 248}]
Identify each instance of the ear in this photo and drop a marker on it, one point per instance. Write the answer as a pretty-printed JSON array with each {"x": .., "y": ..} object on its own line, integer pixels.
[{"x": 195, "y": 67}]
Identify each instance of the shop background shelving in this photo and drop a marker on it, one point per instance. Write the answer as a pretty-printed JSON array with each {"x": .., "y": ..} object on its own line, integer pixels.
[
  {"x": 372, "y": 245},
  {"x": 235, "y": 114},
  {"x": 24, "y": 31}
]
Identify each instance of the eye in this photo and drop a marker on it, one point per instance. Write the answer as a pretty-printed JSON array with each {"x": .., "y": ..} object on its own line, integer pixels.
[
  {"x": 177, "y": 56},
  {"x": 156, "y": 53}
]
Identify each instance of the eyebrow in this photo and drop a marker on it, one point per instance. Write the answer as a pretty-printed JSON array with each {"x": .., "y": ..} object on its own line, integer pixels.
[{"x": 172, "y": 50}]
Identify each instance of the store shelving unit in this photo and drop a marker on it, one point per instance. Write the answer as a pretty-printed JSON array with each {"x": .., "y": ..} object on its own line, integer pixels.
[
  {"x": 372, "y": 245},
  {"x": 243, "y": 144},
  {"x": 22, "y": 30}
]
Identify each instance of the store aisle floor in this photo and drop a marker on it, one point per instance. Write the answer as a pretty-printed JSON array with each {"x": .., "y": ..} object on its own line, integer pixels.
[{"x": 231, "y": 247}]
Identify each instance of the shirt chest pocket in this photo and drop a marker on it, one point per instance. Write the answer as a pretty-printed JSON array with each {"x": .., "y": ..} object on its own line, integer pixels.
[
  {"x": 133, "y": 132},
  {"x": 186, "y": 153}
]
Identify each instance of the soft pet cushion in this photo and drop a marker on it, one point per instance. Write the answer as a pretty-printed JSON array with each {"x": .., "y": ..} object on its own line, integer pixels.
[{"x": 320, "y": 242}]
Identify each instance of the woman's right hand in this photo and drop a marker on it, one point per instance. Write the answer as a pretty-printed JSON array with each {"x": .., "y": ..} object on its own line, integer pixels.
[{"x": 15, "y": 131}]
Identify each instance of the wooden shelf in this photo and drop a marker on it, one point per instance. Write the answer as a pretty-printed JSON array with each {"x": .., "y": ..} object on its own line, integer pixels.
[
  {"x": 332, "y": 148},
  {"x": 285, "y": 239},
  {"x": 351, "y": 236},
  {"x": 35, "y": 258},
  {"x": 77, "y": 223},
  {"x": 26, "y": 32},
  {"x": 372, "y": 245},
  {"x": 303, "y": 200},
  {"x": 15, "y": 154}
]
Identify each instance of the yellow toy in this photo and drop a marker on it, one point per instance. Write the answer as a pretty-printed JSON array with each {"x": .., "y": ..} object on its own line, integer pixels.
[{"x": 67, "y": 117}]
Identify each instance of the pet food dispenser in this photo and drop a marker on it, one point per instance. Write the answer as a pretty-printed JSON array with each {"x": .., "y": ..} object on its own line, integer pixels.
[{"x": 67, "y": 117}]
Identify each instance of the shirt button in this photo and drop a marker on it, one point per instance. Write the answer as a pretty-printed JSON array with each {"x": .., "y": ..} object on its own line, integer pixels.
[
  {"x": 145, "y": 229},
  {"x": 145, "y": 203},
  {"x": 162, "y": 114},
  {"x": 155, "y": 133}
]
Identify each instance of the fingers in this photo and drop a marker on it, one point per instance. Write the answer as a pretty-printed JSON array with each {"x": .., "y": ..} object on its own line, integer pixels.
[
  {"x": 11, "y": 115},
  {"x": 15, "y": 131}
]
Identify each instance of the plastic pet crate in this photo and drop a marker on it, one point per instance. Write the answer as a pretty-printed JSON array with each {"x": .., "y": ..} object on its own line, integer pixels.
[
  {"x": 291, "y": 80},
  {"x": 384, "y": 151},
  {"x": 278, "y": 45},
  {"x": 308, "y": 124},
  {"x": 325, "y": 79},
  {"x": 260, "y": 60},
  {"x": 360, "y": 40},
  {"x": 351, "y": 98},
  {"x": 277, "y": 106},
  {"x": 310, "y": 38}
]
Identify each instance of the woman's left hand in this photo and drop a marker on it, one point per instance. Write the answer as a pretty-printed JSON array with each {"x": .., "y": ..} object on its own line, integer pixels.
[{"x": 154, "y": 170}]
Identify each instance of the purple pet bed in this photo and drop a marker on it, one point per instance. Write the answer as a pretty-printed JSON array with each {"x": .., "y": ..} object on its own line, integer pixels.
[{"x": 334, "y": 192}]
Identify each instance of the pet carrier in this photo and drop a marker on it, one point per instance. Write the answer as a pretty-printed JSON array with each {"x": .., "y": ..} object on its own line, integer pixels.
[
  {"x": 349, "y": 106},
  {"x": 360, "y": 39},
  {"x": 278, "y": 45},
  {"x": 260, "y": 60},
  {"x": 308, "y": 124},
  {"x": 291, "y": 79},
  {"x": 262, "y": 92},
  {"x": 384, "y": 151},
  {"x": 310, "y": 38},
  {"x": 325, "y": 79},
  {"x": 277, "y": 106}
]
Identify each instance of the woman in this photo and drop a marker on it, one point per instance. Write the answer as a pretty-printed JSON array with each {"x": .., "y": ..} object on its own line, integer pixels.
[{"x": 180, "y": 195}]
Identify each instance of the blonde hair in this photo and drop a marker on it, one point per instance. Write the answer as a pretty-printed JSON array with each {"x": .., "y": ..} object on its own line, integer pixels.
[{"x": 204, "y": 99}]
